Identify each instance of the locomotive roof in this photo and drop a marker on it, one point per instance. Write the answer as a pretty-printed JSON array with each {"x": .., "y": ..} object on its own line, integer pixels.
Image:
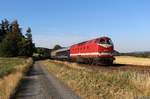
[{"x": 91, "y": 40}]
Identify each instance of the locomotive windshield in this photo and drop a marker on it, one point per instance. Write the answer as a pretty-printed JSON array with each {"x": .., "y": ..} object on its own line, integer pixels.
[{"x": 104, "y": 41}]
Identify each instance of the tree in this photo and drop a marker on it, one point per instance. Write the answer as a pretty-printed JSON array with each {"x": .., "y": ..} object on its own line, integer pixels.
[
  {"x": 40, "y": 51},
  {"x": 43, "y": 52},
  {"x": 16, "y": 31},
  {"x": 6, "y": 25},
  {"x": 30, "y": 45},
  {"x": 13, "y": 42},
  {"x": 56, "y": 47},
  {"x": 25, "y": 46},
  {"x": 8, "y": 47},
  {"x": 4, "y": 28},
  {"x": 9, "y": 42},
  {"x": 28, "y": 34},
  {"x": 22, "y": 46}
]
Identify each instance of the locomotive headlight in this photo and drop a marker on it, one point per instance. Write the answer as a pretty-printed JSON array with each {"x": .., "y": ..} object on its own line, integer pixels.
[{"x": 106, "y": 53}]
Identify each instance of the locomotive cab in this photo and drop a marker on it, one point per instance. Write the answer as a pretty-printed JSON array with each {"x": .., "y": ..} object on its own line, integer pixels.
[
  {"x": 105, "y": 42},
  {"x": 105, "y": 49}
]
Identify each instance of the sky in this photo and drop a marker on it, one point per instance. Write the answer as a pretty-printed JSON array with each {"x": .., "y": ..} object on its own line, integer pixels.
[{"x": 66, "y": 22}]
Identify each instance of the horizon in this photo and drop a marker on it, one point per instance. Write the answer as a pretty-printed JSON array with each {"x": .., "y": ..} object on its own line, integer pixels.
[{"x": 69, "y": 22}]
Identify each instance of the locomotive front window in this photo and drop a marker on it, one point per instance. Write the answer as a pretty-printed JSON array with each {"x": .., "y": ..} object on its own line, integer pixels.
[
  {"x": 110, "y": 42},
  {"x": 102, "y": 41},
  {"x": 105, "y": 41}
]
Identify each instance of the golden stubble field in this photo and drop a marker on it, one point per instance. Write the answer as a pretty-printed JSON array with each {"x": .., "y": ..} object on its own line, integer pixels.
[
  {"x": 132, "y": 60},
  {"x": 98, "y": 83}
]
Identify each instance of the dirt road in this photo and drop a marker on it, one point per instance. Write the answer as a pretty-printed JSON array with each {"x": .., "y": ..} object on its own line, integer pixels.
[{"x": 39, "y": 84}]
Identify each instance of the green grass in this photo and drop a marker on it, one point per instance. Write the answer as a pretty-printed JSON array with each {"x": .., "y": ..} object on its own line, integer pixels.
[
  {"x": 8, "y": 65},
  {"x": 101, "y": 83},
  {"x": 12, "y": 70}
]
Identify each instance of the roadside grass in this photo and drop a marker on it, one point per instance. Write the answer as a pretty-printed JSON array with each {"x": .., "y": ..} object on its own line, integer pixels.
[
  {"x": 11, "y": 72},
  {"x": 7, "y": 65},
  {"x": 101, "y": 83},
  {"x": 132, "y": 60}
]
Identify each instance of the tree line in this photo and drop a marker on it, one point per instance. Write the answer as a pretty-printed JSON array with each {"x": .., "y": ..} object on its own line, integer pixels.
[
  {"x": 13, "y": 42},
  {"x": 42, "y": 52}
]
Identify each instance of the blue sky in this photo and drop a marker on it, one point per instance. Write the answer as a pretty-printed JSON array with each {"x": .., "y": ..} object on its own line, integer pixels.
[{"x": 66, "y": 22}]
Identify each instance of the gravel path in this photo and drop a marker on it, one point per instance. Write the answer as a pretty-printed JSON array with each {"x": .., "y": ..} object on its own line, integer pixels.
[{"x": 39, "y": 84}]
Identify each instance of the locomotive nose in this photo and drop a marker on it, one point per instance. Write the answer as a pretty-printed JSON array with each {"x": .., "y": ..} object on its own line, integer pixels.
[{"x": 105, "y": 45}]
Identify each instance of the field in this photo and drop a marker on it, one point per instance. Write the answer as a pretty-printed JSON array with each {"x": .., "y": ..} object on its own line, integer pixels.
[
  {"x": 11, "y": 72},
  {"x": 93, "y": 83},
  {"x": 132, "y": 60}
]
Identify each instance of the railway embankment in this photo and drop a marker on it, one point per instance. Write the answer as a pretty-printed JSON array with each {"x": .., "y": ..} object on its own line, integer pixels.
[{"x": 100, "y": 82}]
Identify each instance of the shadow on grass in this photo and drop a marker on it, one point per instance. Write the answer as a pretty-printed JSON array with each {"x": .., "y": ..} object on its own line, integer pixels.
[{"x": 118, "y": 65}]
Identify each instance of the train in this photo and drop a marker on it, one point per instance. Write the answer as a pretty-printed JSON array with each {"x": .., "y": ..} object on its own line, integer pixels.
[{"x": 96, "y": 51}]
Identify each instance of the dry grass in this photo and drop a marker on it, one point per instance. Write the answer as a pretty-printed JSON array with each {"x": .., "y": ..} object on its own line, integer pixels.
[
  {"x": 132, "y": 60},
  {"x": 9, "y": 82},
  {"x": 101, "y": 84}
]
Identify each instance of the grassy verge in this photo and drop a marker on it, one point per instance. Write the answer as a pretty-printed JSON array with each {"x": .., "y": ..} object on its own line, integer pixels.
[
  {"x": 132, "y": 60},
  {"x": 11, "y": 72},
  {"x": 100, "y": 84}
]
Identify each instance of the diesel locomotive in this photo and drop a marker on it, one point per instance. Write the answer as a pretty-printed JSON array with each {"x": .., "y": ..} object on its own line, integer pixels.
[{"x": 95, "y": 51}]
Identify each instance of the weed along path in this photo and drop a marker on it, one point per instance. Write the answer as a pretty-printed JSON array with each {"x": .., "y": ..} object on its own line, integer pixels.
[{"x": 39, "y": 84}]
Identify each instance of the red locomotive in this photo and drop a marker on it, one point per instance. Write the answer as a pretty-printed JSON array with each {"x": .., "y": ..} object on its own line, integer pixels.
[{"x": 95, "y": 51}]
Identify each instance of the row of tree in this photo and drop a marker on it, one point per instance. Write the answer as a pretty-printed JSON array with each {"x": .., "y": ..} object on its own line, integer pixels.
[{"x": 13, "y": 42}]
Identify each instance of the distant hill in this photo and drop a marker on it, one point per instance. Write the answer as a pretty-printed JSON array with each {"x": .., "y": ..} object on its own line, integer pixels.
[{"x": 138, "y": 54}]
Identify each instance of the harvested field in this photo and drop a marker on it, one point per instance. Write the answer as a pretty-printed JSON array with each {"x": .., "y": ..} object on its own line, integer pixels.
[
  {"x": 100, "y": 83},
  {"x": 132, "y": 60},
  {"x": 11, "y": 72}
]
